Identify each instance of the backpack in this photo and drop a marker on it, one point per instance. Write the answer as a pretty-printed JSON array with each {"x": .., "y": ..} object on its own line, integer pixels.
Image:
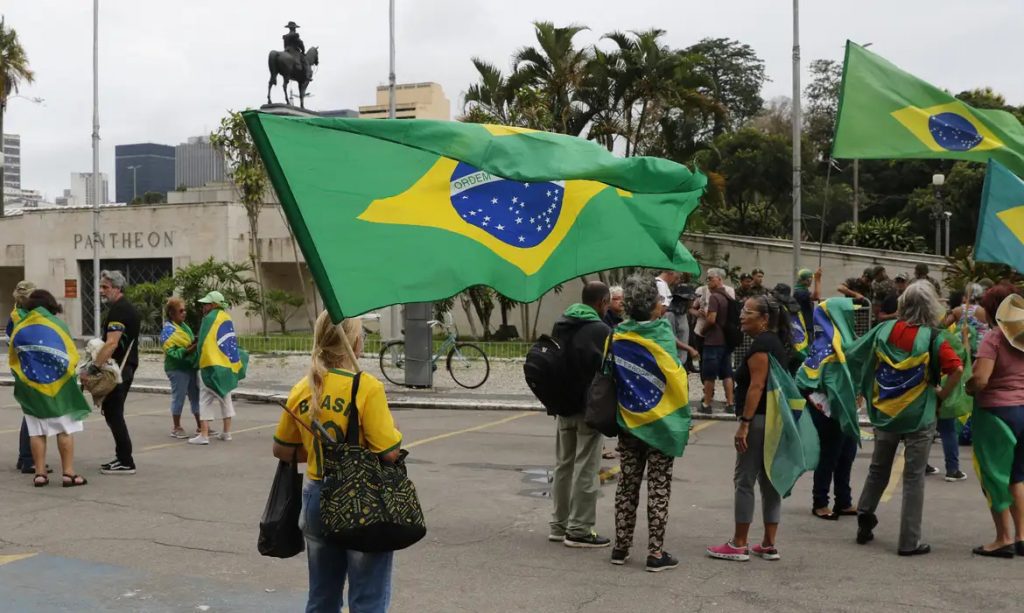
[
  {"x": 731, "y": 325},
  {"x": 546, "y": 370}
]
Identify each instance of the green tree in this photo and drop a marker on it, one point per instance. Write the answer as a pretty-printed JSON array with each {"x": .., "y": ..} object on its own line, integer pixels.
[
  {"x": 734, "y": 76},
  {"x": 961, "y": 268},
  {"x": 14, "y": 69},
  {"x": 557, "y": 68},
  {"x": 150, "y": 198},
  {"x": 232, "y": 279},
  {"x": 882, "y": 233},
  {"x": 281, "y": 305},
  {"x": 822, "y": 104},
  {"x": 149, "y": 300}
]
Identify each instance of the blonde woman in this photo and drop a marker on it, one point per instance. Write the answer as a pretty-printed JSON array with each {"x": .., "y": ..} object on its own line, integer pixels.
[
  {"x": 325, "y": 395},
  {"x": 181, "y": 363}
]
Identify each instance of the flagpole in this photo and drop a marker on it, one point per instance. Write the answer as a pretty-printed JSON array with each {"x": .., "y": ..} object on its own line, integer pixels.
[
  {"x": 393, "y": 315},
  {"x": 797, "y": 129},
  {"x": 95, "y": 167}
]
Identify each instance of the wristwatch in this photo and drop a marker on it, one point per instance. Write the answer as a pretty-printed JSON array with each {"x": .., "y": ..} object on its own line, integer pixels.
[{"x": 746, "y": 420}]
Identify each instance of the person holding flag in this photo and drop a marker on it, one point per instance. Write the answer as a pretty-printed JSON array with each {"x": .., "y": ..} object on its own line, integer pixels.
[
  {"x": 222, "y": 365},
  {"x": 18, "y": 312},
  {"x": 179, "y": 345}
]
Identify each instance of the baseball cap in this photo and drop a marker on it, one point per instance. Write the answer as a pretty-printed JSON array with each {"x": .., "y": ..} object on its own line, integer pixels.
[
  {"x": 804, "y": 273},
  {"x": 214, "y": 297},
  {"x": 901, "y": 276}
]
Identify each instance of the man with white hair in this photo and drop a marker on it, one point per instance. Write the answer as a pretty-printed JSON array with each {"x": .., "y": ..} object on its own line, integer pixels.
[
  {"x": 716, "y": 358},
  {"x": 120, "y": 333},
  {"x": 616, "y": 312}
]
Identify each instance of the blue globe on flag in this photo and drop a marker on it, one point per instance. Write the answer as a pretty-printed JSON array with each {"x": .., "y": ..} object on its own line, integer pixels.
[
  {"x": 893, "y": 383},
  {"x": 641, "y": 384},
  {"x": 42, "y": 356},
  {"x": 954, "y": 132},
  {"x": 227, "y": 341}
]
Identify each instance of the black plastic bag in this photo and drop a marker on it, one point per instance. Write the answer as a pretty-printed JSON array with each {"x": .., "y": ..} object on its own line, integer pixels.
[
  {"x": 602, "y": 408},
  {"x": 280, "y": 536}
]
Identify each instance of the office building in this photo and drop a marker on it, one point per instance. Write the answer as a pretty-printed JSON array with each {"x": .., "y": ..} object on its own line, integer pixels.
[
  {"x": 12, "y": 161},
  {"x": 141, "y": 168},
  {"x": 412, "y": 101},
  {"x": 197, "y": 163},
  {"x": 82, "y": 189}
]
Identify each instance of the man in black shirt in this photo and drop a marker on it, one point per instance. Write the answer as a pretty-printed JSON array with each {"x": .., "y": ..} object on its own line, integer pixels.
[{"x": 121, "y": 333}]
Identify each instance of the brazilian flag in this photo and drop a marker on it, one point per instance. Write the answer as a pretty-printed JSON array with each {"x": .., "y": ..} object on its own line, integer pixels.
[
  {"x": 800, "y": 340},
  {"x": 886, "y": 113},
  {"x": 43, "y": 358},
  {"x": 1000, "y": 235},
  {"x": 222, "y": 362},
  {"x": 994, "y": 448},
  {"x": 825, "y": 369},
  {"x": 390, "y": 212},
  {"x": 174, "y": 340},
  {"x": 17, "y": 314},
  {"x": 651, "y": 384},
  {"x": 791, "y": 445}
]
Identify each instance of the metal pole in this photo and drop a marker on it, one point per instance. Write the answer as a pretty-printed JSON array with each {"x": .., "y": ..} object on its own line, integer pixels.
[
  {"x": 393, "y": 316},
  {"x": 856, "y": 194},
  {"x": 796, "y": 138},
  {"x": 95, "y": 166},
  {"x": 948, "y": 217}
]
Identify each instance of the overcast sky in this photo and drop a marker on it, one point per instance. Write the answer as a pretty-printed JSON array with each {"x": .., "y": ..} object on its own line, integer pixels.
[{"x": 169, "y": 70}]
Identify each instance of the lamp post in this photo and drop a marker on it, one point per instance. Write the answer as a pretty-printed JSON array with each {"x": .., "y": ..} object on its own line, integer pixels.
[
  {"x": 949, "y": 216},
  {"x": 937, "y": 214},
  {"x": 135, "y": 192},
  {"x": 95, "y": 166}
]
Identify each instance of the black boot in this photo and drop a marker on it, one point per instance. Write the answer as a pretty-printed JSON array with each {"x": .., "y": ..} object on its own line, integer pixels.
[{"x": 866, "y": 522}]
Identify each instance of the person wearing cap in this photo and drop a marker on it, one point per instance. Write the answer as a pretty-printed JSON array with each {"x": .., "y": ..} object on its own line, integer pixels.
[
  {"x": 921, "y": 274},
  {"x": 806, "y": 292},
  {"x": 858, "y": 287},
  {"x": 746, "y": 288},
  {"x": 997, "y": 384},
  {"x": 758, "y": 288},
  {"x": 881, "y": 287},
  {"x": 21, "y": 293},
  {"x": 218, "y": 356},
  {"x": 889, "y": 306}
]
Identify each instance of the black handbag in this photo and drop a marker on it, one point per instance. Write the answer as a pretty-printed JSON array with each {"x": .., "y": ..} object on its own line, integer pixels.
[
  {"x": 602, "y": 409},
  {"x": 365, "y": 504},
  {"x": 280, "y": 536}
]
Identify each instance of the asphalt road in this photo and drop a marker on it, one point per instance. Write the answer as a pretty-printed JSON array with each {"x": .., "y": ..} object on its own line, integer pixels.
[{"x": 180, "y": 535}]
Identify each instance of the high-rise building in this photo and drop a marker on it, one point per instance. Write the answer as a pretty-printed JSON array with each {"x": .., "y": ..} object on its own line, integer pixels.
[
  {"x": 81, "y": 191},
  {"x": 12, "y": 160},
  {"x": 412, "y": 101},
  {"x": 197, "y": 163},
  {"x": 141, "y": 168}
]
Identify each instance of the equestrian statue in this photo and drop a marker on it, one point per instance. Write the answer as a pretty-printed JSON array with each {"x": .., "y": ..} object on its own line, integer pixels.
[{"x": 293, "y": 64}]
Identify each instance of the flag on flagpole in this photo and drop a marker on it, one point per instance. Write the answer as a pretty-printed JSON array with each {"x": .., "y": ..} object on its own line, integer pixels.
[{"x": 1000, "y": 235}]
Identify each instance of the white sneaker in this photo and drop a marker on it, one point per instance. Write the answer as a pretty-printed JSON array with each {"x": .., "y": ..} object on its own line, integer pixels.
[
  {"x": 224, "y": 436},
  {"x": 199, "y": 440}
]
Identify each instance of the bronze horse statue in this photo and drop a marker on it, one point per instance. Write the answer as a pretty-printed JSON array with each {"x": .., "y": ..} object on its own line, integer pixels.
[{"x": 290, "y": 68}]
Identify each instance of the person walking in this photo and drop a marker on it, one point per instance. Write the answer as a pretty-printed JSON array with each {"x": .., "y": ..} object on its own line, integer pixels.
[
  {"x": 334, "y": 381},
  {"x": 716, "y": 360},
  {"x": 222, "y": 365},
  {"x": 180, "y": 362},
  {"x": 897, "y": 366},
  {"x": 575, "y": 481},
  {"x": 997, "y": 385},
  {"x": 21, "y": 293},
  {"x": 766, "y": 321},
  {"x": 121, "y": 342}
]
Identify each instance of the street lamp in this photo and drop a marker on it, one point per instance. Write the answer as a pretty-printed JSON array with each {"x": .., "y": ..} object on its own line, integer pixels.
[
  {"x": 949, "y": 216},
  {"x": 135, "y": 193},
  {"x": 938, "y": 180}
]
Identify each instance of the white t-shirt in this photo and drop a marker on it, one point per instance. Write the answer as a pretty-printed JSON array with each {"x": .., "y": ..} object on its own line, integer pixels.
[{"x": 664, "y": 291}]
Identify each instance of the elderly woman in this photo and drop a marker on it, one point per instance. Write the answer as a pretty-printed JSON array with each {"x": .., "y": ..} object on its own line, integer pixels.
[
  {"x": 766, "y": 321},
  {"x": 332, "y": 382},
  {"x": 896, "y": 367},
  {"x": 998, "y": 387},
  {"x": 180, "y": 364},
  {"x": 21, "y": 292}
]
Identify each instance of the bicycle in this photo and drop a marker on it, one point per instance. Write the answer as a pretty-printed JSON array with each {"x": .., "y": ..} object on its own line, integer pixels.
[{"x": 466, "y": 363}]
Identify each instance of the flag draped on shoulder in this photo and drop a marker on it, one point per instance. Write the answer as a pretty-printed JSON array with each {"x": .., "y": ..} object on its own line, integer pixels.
[
  {"x": 994, "y": 449},
  {"x": 1000, "y": 236},
  {"x": 651, "y": 384},
  {"x": 885, "y": 113},
  {"x": 825, "y": 369},
  {"x": 17, "y": 314},
  {"x": 791, "y": 445},
  {"x": 800, "y": 336},
  {"x": 174, "y": 340},
  {"x": 465, "y": 204},
  {"x": 222, "y": 362},
  {"x": 43, "y": 359},
  {"x": 959, "y": 404}
]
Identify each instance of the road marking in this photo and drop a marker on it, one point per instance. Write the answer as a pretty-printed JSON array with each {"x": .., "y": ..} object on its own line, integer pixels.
[
  {"x": 471, "y": 429},
  {"x": 894, "y": 478},
  {"x": 703, "y": 426},
  {"x": 100, "y": 418},
  {"x": 185, "y": 442},
  {"x": 606, "y": 475},
  {"x": 15, "y": 557}
]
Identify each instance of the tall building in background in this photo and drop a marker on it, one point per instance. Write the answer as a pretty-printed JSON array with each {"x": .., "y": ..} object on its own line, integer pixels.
[
  {"x": 12, "y": 161},
  {"x": 197, "y": 163},
  {"x": 141, "y": 168},
  {"x": 412, "y": 101},
  {"x": 81, "y": 192}
]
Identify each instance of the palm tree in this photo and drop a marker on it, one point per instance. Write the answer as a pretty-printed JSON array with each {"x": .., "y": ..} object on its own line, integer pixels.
[
  {"x": 13, "y": 70},
  {"x": 557, "y": 68},
  {"x": 492, "y": 98}
]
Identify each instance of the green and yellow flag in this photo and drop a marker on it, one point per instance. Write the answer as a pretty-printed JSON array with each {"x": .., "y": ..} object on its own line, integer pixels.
[
  {"x": 825, "y": 368},
  {"x": 651, "y": 384},
  {"x": 885, "y": 112},
  {"x": 994, "y": 449},
  {"x": 175, "y": 339},
  {"x": 791, "y": 445},
  {"x": 390, "y": 212},
  {"x": 43, "y": 359},
  {"x": 1000, "y": 235},
  {"x": 222, "y": 362}
]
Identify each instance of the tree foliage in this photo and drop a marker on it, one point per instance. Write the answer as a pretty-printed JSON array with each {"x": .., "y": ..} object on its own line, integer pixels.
[
  {"x": 14, "y": 70},
  {"x": 281, "y": 305},
  {"x": 883, "y": 233}
]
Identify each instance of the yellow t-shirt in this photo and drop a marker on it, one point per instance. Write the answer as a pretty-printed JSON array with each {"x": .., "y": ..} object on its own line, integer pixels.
[{"x": 377, "y": 428}]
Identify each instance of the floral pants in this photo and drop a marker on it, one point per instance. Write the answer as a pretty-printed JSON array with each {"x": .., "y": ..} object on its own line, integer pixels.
[{"x": 634, "y": 456}]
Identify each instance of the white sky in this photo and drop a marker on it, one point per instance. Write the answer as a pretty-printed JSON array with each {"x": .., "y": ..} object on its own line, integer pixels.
[{"x": 168, "y": 70}]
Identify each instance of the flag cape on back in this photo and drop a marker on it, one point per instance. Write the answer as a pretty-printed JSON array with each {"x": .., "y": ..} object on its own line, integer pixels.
[
  {"x": 174, "y": 340},
  {"x": 885, "y": 112},
  {"x": 654, "y": 398},
  {"x": 791, "y": 445},
  {"x": 994, "y": 448},
  {"x": 43, "y": 359},
  {"x": 1000, "y": 235},
  {"x": 825, "y": 369},
  {"x": 898, "y": 386},
  {"x": 222, "y": 362},
  {"x": 800, "y": 337},
  {"x": 390, "y": 212}
]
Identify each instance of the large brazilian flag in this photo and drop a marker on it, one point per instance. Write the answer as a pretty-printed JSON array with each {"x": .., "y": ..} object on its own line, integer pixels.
[
  {"x": 885, "y": 113},
  {"x": 791, "y": 444},
  {"x": 651, "y": 384},
  {"x": 43, "y": 359},
  {"x": 222, "y": 362},
  {"x": 825, "y": 369},
  {"x": 1000, "y": 235},
  {"x": 390, "y": 212}
]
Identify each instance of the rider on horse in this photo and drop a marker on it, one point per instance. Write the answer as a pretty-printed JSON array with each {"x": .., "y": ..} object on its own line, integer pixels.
[{"x": 293, "y": 44}]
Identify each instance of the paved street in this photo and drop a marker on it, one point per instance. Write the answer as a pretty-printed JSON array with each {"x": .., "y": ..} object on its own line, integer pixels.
[{"x": 180, "y": 535}]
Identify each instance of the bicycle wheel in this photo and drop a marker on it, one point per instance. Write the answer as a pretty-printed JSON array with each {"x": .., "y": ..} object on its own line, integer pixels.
[
  {"x": 392, "y": 362},
  {"x": 468, "y": 365}
]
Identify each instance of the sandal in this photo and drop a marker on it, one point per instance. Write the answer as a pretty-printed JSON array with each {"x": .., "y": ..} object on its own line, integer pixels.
[
  {"x": 831, "y": 516},
  {"x": 74, "y": 480},
  {"x": 41, "y": 481}
]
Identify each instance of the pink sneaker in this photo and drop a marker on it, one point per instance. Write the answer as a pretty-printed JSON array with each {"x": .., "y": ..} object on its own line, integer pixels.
[
  {"x": 728, "y": 551},
  {"x": 766, "y": 553}
]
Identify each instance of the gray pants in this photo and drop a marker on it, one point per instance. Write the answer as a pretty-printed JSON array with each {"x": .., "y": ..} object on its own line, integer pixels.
[
  {"x": 750, "y": 468},
  {"x": 917, "y": 445},
  {"x": 576, "y": 482}
]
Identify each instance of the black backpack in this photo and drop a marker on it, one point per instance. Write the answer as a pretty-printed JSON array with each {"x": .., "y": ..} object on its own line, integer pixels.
[
  {"x": 731, "y": 325},
  {"x": 547, "y": 371}
]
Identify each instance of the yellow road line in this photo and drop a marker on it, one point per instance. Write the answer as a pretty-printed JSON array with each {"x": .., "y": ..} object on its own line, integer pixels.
[
  {"x": 703, "y": 426},
  {"x": 101, "y": 418},
  {"x": 894, "y": 478},
  {"x": 185, "y": 442},
  {"x": 15, "y": 557},
  {"x": 471, "y": 429}
]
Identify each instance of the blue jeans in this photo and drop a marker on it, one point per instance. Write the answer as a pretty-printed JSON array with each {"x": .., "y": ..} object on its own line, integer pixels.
[
  {"x": 950, "y": 444},
  {"x": 184, "y": 383},
  {"x": 369, "y": 574}
]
